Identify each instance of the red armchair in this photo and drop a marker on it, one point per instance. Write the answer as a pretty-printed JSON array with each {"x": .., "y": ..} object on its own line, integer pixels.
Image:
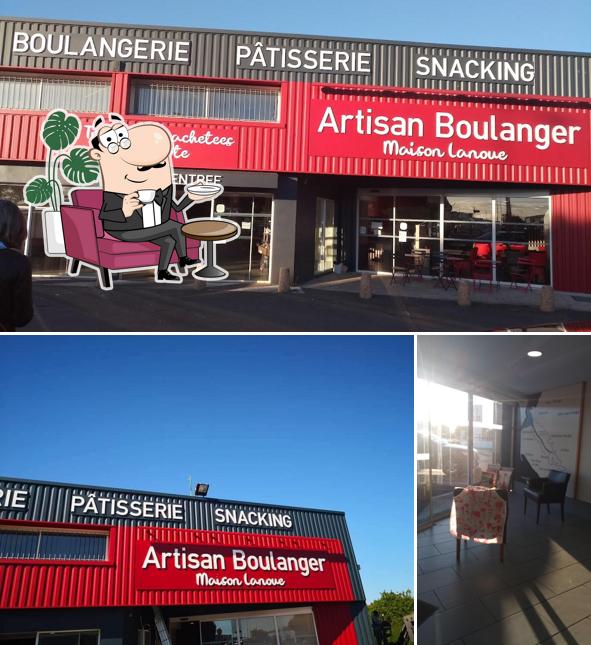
[{"x": 87, "y": 243}]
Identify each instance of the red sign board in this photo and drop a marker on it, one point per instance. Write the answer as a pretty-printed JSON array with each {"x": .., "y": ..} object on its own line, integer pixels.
[
  {"x": 201, "y": 146},
  {"x": 174, "y": 566},
  {"x": 488, "y": 134}
]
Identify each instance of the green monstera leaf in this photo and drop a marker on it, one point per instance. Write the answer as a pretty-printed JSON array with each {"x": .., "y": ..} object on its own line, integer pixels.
[
  {"x": 38, "y": 191},
  {"x": 79, "y": 168},
  {"x": 60, "y": 130}
]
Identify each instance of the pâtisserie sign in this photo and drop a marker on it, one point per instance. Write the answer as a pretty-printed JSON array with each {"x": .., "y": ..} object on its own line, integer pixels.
[
  {"x": 190, "y": 566},
  {"x": 514, "y": 135}
]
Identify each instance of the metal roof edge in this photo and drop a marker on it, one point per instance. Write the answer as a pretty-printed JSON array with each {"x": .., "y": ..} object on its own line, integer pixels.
[
  {"x": 370, "y": 41},
  {"x": 161, "y": 494}
]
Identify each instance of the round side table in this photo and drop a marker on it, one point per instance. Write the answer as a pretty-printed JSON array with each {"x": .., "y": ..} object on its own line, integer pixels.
[{"x": 210, "y": 230}]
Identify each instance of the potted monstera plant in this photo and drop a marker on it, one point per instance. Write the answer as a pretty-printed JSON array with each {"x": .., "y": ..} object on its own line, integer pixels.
[{"x": 60, "y": 132}]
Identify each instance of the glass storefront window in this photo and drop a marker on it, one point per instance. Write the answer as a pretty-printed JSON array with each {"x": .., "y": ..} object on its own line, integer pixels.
[
  {"x": 444, "y": 433},
  {"x": 281, "y": 627},
  {"x": 522, "y": 228},
  {"x": 296, "y": 630},
  {"x": 248, "y": 256},
  {"x": 506, "y": 236},
  {"x": 89, "y": 637},
  {"x": 468, "y": 225},
  {"x": 258, "y": 631},
  {"x": 487, "y": 425},
  {"x": 220, "y": 632}
]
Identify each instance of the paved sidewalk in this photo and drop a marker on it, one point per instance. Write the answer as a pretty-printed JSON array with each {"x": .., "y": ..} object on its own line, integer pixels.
[
  {"x": 67, "y": 305},
  {"x": 428, "y": 288}
]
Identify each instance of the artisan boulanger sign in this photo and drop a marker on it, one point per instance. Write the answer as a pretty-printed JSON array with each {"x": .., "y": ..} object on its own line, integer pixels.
[
  {"x": 264, "y": 519},
  {"x": 338, "y": 60},
  {"x": 81, "y": 45},
  {"x": 191, "y": 566},
  {"x": 415, "y": 130},
  {"x": 482, "y": 69}
]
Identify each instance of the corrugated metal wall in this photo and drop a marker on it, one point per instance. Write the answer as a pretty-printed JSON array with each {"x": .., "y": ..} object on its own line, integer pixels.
[
  {"x": 571, "y": 241},
  {"x": 51, "y": 503},
  {"x": 48, "y": 585},
  {"x": 334, "y": 625},
  {"x": 213, "y": 55},
  {"x": 284, "y": 148}
]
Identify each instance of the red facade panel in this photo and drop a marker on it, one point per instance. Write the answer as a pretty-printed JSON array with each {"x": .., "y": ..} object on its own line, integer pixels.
[
  {"x": 295, "y": 145},
  {"x": 571, "y": 241},
  {"x": 52, "y": 584},
  {"x": 334, "y": 624}
]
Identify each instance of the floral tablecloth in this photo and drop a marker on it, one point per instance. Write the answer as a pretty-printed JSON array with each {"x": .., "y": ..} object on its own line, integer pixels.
[{"x": 478, "y": 514}]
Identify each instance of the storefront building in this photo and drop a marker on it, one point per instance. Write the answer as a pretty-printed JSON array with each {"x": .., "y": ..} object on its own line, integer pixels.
[
  {"x": 84, "y": 565},
  {"x": 332, "y": 150}
]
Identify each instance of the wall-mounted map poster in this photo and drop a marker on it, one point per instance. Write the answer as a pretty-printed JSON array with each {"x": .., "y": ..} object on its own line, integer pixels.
[{"x": 549, "y": 433}]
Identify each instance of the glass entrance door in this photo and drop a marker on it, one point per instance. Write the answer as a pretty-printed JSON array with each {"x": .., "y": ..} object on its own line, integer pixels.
[
  {"x": 326, "y": 238},
  {"x": 416, "y": 227},
  {"x": 375, "y": 233}
]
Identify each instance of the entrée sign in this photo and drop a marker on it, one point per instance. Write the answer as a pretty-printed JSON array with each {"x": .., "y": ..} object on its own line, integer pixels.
[
  {"x": 485, "y": 134},
  {"x": 191, "y": 566}
]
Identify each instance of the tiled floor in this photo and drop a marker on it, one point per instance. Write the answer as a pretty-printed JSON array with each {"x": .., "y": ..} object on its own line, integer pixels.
[{"x": 540, "y": 594}]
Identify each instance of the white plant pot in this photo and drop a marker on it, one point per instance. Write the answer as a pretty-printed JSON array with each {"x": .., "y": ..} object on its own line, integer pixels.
[{"x": 53, "y": 234}]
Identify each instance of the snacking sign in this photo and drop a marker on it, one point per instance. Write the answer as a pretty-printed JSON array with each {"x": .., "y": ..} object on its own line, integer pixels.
[
  {"x": 171, "y": 566},
  {"x": 515, "y": 135}
]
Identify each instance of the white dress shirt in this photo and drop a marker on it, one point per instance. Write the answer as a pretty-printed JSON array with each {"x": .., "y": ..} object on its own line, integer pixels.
[{"x": 151, "y": 214}]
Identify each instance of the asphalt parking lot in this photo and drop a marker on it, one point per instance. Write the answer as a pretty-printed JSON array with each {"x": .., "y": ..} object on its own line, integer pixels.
[{"x": 78, "y": 305}]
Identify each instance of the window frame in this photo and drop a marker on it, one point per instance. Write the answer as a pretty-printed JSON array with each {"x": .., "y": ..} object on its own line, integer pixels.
[
  {"x": 40, "y": 527},
  {"x": 32, "y": 74},
  {"x": 279, "y": 86},
  {"x": 57, "y": 632}
]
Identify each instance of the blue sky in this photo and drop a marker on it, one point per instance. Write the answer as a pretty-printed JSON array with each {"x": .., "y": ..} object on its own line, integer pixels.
[
  {"x": 537, "y": 24},
  {"x": 318, "y": 421}
]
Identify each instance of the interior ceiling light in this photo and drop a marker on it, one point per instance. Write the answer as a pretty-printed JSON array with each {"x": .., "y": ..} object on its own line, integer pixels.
[{"x": 535, "y": 353}]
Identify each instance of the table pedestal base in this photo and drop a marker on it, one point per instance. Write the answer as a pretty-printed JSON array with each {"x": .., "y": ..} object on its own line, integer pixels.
[{"x": 211, "y": 271}]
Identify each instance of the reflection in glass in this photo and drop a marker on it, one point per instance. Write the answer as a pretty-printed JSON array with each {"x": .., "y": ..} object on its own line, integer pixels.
[
  {"x": 487, "y": 424},
  {"x": 258, "y": 631},
  {"x": 326, "y": 235},
  {"x": 297, "y": 629},
  {"x": 467, "y": 208},
  {"x": 247, "y": 257},
  {"x": 219, "y": 632}
]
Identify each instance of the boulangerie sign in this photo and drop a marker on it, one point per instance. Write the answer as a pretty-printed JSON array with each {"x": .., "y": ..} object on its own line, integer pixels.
[
  {"x": 196, "y": 566},
  {"x": 490, "y": 134}
]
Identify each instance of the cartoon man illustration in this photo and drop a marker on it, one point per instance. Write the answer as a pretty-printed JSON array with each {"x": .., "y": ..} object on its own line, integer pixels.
[{"x": 138, "y": 193}]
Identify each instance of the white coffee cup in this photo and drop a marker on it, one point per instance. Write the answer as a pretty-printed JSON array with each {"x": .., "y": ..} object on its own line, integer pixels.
[{"x": 146, "y": 196}]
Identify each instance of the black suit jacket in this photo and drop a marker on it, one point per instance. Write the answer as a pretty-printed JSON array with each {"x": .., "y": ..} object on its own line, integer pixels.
[
  {"x": 114, "y": 220},
  {"x": 16, "y": 300}
]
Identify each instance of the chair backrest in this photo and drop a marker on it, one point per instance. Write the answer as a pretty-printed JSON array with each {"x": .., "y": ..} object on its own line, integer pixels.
[
  {"x": 557, "y": 484},
  {"x": 88, "y": 198},
  {"x": 558, "y": 477}
]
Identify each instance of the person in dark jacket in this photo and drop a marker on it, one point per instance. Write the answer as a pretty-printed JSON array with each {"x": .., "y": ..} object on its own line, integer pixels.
[{"x": 16, "y": 298}]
